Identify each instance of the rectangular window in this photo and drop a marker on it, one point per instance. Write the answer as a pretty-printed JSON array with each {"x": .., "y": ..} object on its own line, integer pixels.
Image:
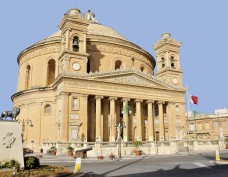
[
  {"x": 75, "y": 103},
  {"x": 199, "y": 126},
  {"x": 224, "y": 124},
  {"x": 192, "y": 127},
  {"x": 216, "y": 125},
  {"x": 207, "y": 126}
]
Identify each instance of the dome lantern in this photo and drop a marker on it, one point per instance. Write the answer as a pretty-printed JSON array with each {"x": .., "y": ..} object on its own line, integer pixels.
[
  {"x": 74, "y": 11},
  {"x": 90, "y": 16}
]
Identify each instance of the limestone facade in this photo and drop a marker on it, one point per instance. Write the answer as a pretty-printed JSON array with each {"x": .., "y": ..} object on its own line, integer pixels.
[
  {"x": 79, "y": 83},
  {"x": 208, "y": 127}
]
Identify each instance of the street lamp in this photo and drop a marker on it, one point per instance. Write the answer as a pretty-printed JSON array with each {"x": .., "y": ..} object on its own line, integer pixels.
[
  {"x": 23, "y": 122},
  {"x": 119, "y": 130}
]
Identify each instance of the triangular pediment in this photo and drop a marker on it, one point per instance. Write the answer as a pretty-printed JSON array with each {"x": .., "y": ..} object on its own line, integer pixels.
[{"x": 132, "y": 78}]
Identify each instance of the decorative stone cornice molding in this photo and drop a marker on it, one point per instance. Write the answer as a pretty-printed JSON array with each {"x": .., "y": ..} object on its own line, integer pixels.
[
  {"x": 120, "y": 50},
  {"x": 36, "y": 51}
]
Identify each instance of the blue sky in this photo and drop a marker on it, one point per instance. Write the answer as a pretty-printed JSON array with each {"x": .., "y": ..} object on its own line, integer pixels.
[{"x": 200, "y": 25}]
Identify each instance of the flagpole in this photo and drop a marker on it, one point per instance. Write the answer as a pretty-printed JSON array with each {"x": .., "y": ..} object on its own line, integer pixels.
[{"x": 188, "y": 102}]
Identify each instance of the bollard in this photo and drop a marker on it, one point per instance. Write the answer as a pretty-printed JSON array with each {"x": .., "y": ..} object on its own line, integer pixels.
[
  {"x": 77, "y": 167},
  {"x": 217, "y": 157}
]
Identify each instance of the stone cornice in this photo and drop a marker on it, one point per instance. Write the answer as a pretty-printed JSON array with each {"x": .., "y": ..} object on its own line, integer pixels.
[
  {"x": 168, "y": 69},
  {"x": 30, "y": 91},
  {"x": 39, "y": 49},
  {"x": 73, "y": 54},
  {"x": 118, "y": 47}
]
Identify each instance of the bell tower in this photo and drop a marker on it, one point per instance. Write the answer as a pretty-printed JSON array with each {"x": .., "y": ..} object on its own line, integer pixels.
[
  {"x": 73, "y": 57},
  {"x": 168, "y": 60}
]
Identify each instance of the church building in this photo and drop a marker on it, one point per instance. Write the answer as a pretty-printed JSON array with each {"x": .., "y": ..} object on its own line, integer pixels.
[{"x": 78, "y": 84}]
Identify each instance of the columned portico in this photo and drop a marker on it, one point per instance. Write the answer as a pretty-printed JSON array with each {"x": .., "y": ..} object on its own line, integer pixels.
[
  {"x": 172, "y": 121},
  {"x": 125, "y": 119},
  {"x": 64, "y": 117},
  {"x": 138, "y": 120},
  {"x": 150, "y": 120},
  {"x": 98, "y": 118},
  {"x": 112, "y": 119},
  {"x": 161, "y": 121}
]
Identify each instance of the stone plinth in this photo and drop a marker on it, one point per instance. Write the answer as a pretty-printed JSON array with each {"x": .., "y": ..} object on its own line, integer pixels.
[{"x": 11, "y": 142}]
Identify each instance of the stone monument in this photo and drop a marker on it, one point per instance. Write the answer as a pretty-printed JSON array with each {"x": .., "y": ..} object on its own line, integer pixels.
[{"x": 10, "y": 138}]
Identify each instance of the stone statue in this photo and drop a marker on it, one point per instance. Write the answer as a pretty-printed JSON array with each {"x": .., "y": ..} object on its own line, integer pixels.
[
  {"x": 221, "y": 133},
  {"x": 13, "y": 114}
]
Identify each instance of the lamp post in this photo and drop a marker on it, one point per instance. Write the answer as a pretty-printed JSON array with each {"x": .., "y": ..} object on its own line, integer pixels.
[
  {"x": 119, "y": 130},
  {"x": 195, "y": 113},
  {"x": 23, "y": 122}
]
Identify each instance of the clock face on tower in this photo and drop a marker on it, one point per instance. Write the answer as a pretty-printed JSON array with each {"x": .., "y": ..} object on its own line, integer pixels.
[
  {"x": 175, "y": 80},
  {"x": 76, "y": 66}
]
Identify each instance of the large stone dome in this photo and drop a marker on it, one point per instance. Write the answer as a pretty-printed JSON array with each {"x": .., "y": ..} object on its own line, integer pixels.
[{"x": 93, "y": 29}]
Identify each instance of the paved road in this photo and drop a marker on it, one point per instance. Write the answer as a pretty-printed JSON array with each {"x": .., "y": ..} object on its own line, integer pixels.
[{"x": 150, "y": 166}]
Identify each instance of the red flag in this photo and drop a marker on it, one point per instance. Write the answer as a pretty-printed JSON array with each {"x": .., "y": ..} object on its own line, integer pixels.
[{"x": 193, "y": 99}]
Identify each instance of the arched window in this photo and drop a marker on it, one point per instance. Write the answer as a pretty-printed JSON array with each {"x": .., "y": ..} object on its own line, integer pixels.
[
  {"x": 47, "y": 109},
  {"x": 142, "y": 68},
  {"x": 172, "y": 62},
  {"x": 163, "y": 62},
  {"x": 75, "y": 44},
  {"x": 51, "y": 72},
  {"x": 118, "y": 64},
  {"x": 27, "y": 77}
]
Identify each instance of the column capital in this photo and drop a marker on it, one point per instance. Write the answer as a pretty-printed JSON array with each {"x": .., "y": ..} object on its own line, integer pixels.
[
  {"x": 112, "y": 98},
  {"x": 138, "y": 100},
  {"x": 98, "y": 96},
  {"x": 161, "y": 102},
  {"x": 126, "y": 99},
  {"x": 150, "y": 101}
]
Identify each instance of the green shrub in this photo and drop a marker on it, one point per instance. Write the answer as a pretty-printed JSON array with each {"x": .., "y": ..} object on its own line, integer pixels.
[
  {"x": 226, "y": 140},
  {"x": 137, "y": 143},
  {"x": 31, "y": 162},
  {"x": 10, "y": 164}
]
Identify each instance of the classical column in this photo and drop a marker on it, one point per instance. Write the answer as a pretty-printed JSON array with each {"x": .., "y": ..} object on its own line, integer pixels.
[
  {"x": 84, "y": 116},
  {"x": 172, "y": 120},
  {"x": 138, "y": 120},
  {"x": 125, "y": 118},
  {"x": 92, "y": 120},
  {"x": 161, "y": 121},
  {"x": 112, "y": 117},
  {"x": 98, "y": 118},
  {"x": 150, "y": 120},
  {"x": 65, "y": 117}
]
